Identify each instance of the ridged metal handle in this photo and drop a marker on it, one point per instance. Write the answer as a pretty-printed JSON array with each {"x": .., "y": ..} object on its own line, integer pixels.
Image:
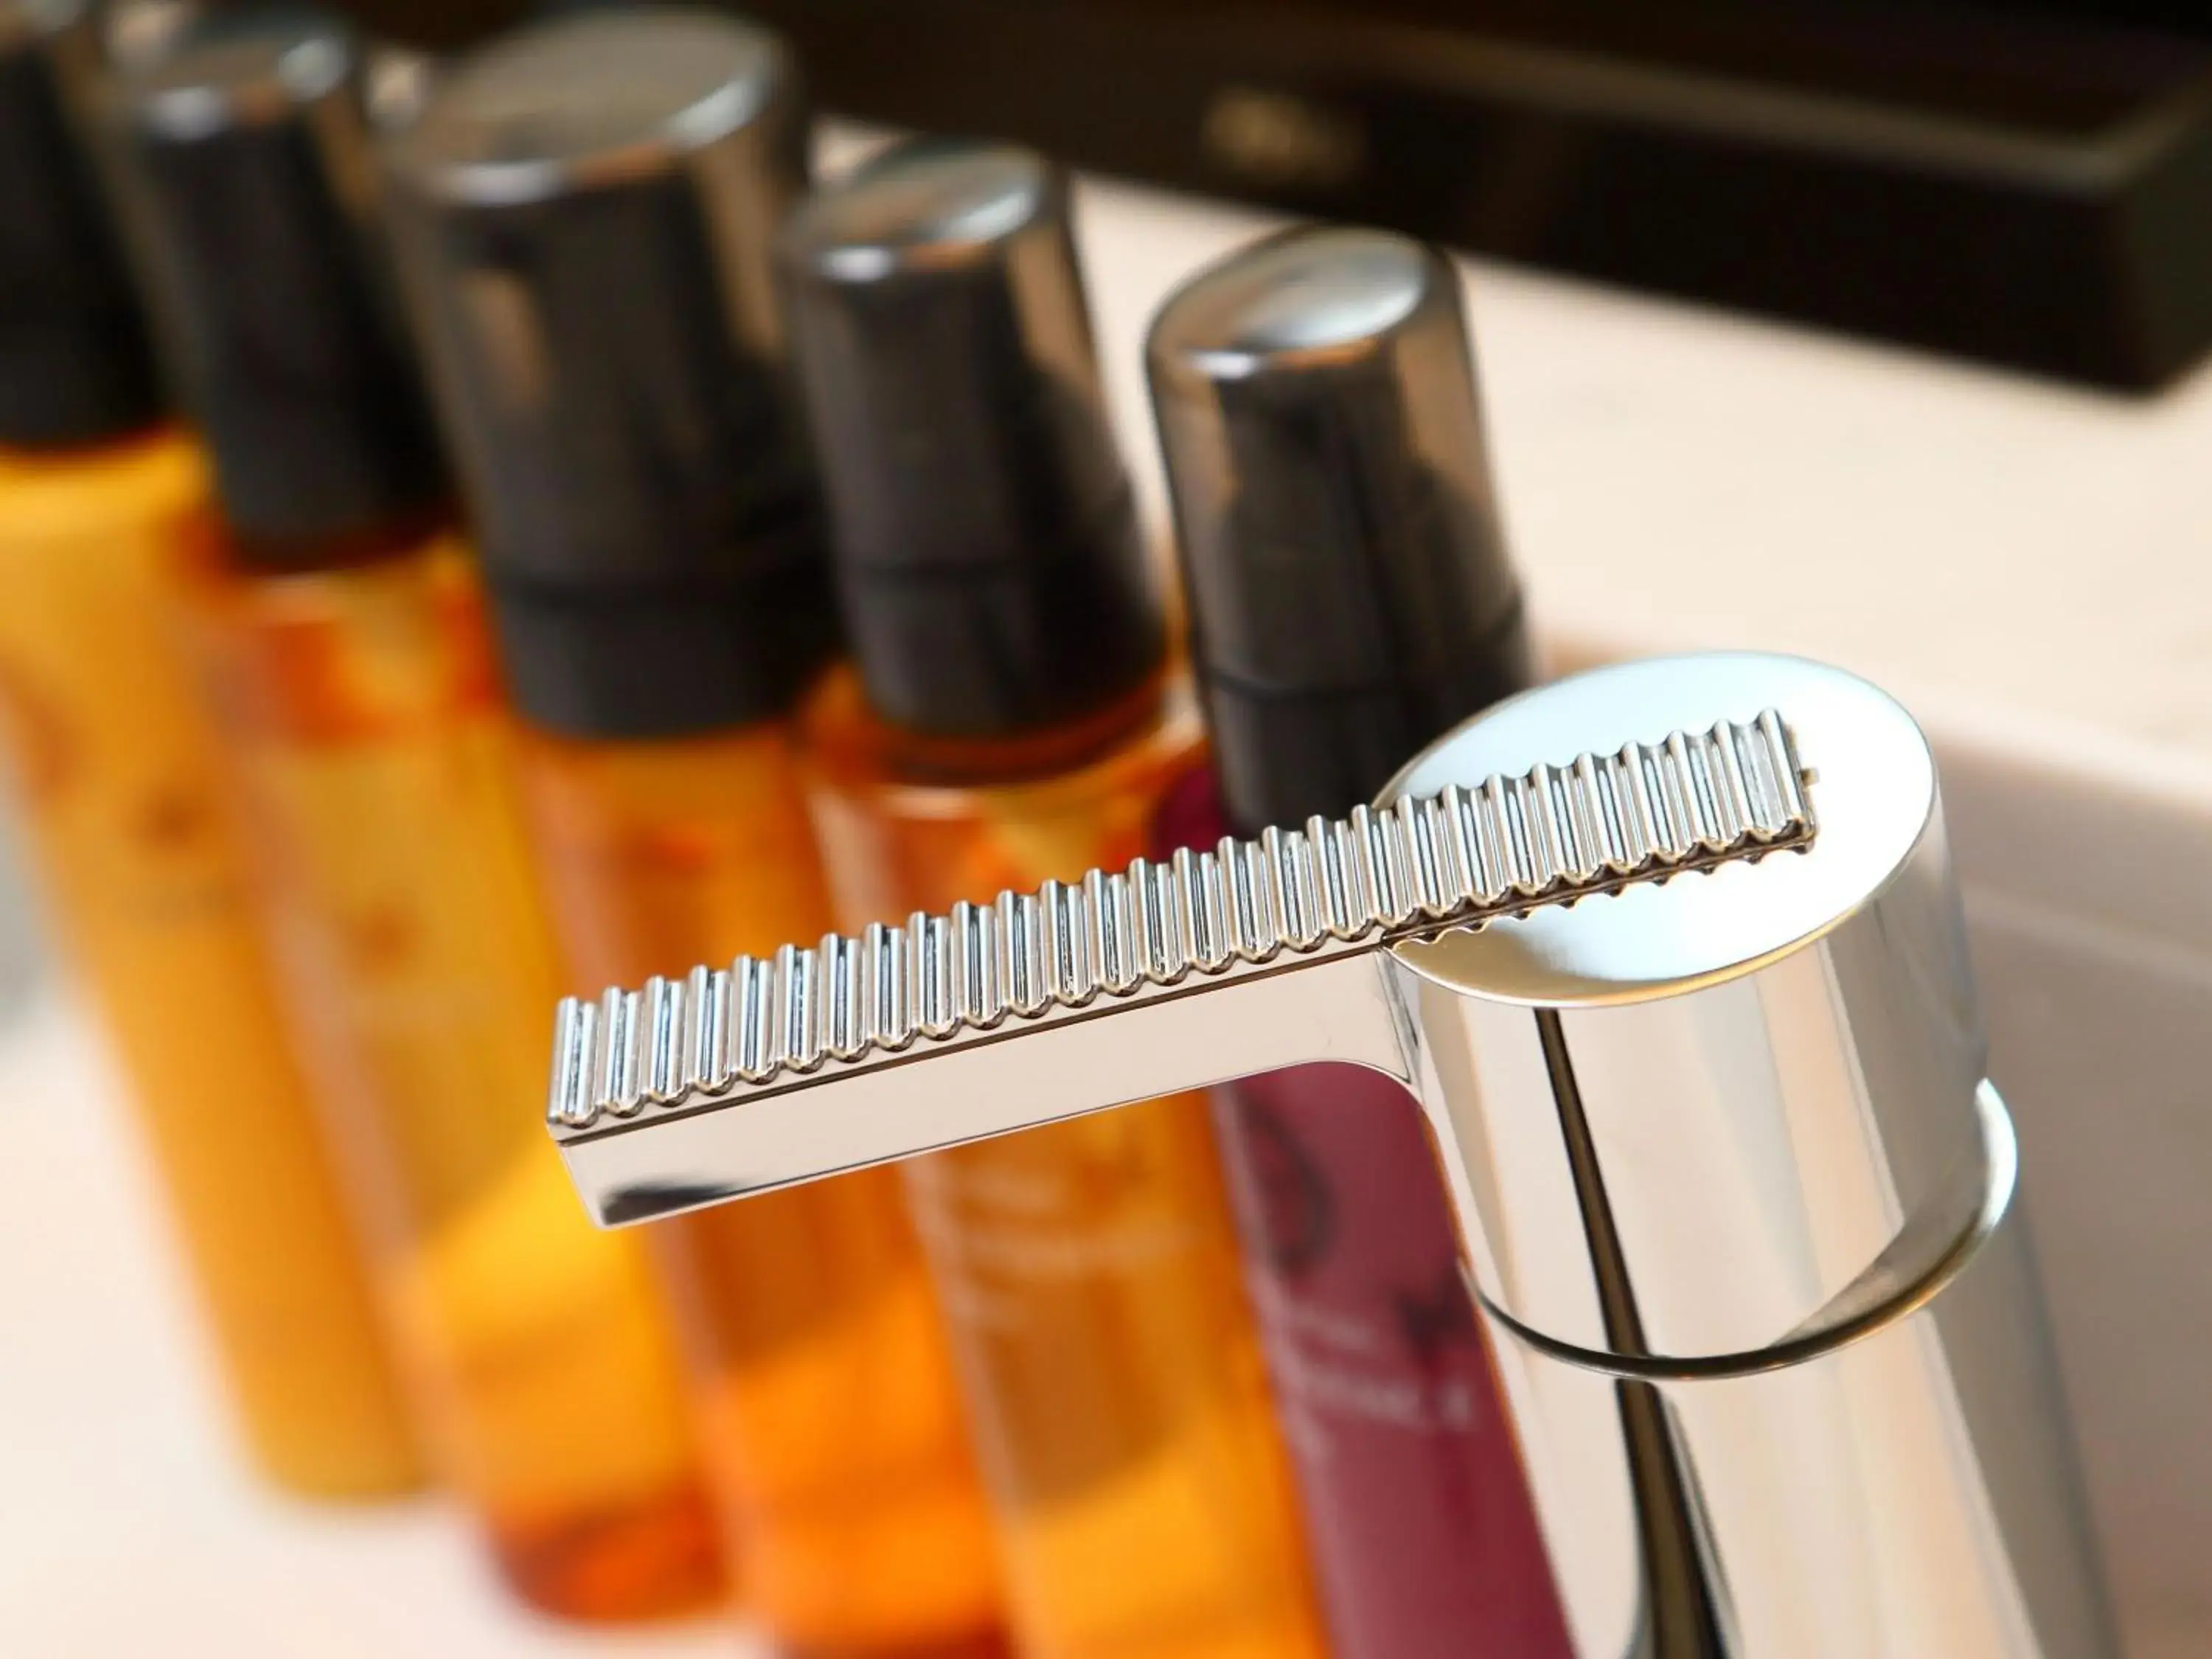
[
  {"x": 1716, "y": 1153},
  {"x": 1459, "y": 858}
]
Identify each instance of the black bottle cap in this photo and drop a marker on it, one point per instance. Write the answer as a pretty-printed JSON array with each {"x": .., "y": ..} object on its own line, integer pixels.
[
  {"x": 1350, "y": 596},
  {"x": 586, "y": 211},
  {"x": 988, "y": 550},
  {"x": 75, "y": 364},
  {"x": 251, "y": 172}
]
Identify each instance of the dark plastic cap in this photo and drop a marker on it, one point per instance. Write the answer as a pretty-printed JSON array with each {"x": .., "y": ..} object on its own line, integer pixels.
[
  {"x": 75, "y": 364},
  {"x": 586, "y": 212},
  {"x": 988, "y": 549},
  {"x": 1351, "y": 595},
  {"x": 252, "y": 177}
]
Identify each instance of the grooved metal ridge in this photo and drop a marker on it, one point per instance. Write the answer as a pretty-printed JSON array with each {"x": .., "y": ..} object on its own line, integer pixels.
[{"x": 1459, "y": 858}]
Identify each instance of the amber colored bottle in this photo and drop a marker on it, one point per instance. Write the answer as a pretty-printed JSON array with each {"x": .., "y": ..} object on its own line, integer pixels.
[
  {"x": 1352, "y": 600},
  {"x": 141, "y": 858},
  {"x": 341, "y": 641},
  {"x": 826, "y": 1401},
  {"x": 650, "y": 535},
  {"x": 1011, "y": 721}
]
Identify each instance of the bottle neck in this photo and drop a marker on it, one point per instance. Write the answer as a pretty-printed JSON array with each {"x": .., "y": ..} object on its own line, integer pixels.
[
  {"x": 120, "y": 444},
  {"x": 676, "y": 643},
  {"x": 935, "y": 759},
  {"x": 1282, "y": 755},
  {"x": 400, "y": 536}
]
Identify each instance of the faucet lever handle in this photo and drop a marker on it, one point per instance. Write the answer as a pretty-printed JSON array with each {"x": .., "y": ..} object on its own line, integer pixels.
[{"x": 1461, "y": 858}]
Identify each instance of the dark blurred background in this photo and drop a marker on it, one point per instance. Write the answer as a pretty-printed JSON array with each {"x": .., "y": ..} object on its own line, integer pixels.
[{"x": 2023, "y": 184}]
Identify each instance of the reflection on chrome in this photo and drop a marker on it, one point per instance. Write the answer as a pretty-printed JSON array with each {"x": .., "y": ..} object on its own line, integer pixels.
[{"x": 1734, "y": 1190}]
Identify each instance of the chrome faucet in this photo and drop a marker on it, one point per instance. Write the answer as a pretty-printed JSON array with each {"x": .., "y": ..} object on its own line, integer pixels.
[{"x": 1696, "y": 1038}]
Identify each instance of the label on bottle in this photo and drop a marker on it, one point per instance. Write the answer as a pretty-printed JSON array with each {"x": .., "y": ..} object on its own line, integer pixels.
[
  {"x": 1074, "y": 1272},
  {"x": 1424, "y": 1539},
  {"x": 122, "y": 787},
  {"x": 1423, "y": 1530}
]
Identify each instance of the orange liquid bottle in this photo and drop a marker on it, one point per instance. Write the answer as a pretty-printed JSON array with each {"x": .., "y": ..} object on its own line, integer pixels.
[
  {"x": 348, "y": 665},
  {"x": 825, "y": 1396},
  {"x": 1009, "y": 721},
  {"x": 140, "y": 857},
  {"x": 611, "y": 366}
]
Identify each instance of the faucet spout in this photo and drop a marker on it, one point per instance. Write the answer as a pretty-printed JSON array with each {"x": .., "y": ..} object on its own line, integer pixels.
[
  {"x": 1707, "y": 1084},
  {"x": 994, "y": 1018}
]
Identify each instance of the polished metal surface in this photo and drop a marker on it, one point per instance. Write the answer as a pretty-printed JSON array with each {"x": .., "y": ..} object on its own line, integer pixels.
[
  {"x": 1734, "y": 1190},
  {"x": 1738, "y": 1197},
  {"x": 1547, "y": 835}
]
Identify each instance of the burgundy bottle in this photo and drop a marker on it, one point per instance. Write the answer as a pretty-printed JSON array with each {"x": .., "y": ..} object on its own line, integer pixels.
[{"x": 1351, "y": 600}]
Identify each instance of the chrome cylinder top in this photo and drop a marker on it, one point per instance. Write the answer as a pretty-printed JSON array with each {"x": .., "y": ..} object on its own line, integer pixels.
[
  {"x": 1759, "y": 1087},
  {"x": 1690, "y": 1021}
]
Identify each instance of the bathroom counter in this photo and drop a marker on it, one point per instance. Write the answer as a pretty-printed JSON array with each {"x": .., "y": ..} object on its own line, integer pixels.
[
  {"x": 2029, "y": 566},
  {"x": 1998, "y": 548},
  {"x": 126, "y": 1525}
]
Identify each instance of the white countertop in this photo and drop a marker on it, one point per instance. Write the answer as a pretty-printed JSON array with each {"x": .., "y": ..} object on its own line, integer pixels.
[
  {"x": 1676, "y": 478},
  {"x": 126, "y": 1527},
  {"x": 2025, "y": 558}
]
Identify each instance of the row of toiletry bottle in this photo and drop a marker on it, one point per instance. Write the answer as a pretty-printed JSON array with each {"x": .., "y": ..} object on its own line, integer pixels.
[{"x": 314, "y": 834}]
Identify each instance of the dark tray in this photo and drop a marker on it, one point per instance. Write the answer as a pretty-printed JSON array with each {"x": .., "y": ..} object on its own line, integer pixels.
[{"x": 2025, "y": 188}]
